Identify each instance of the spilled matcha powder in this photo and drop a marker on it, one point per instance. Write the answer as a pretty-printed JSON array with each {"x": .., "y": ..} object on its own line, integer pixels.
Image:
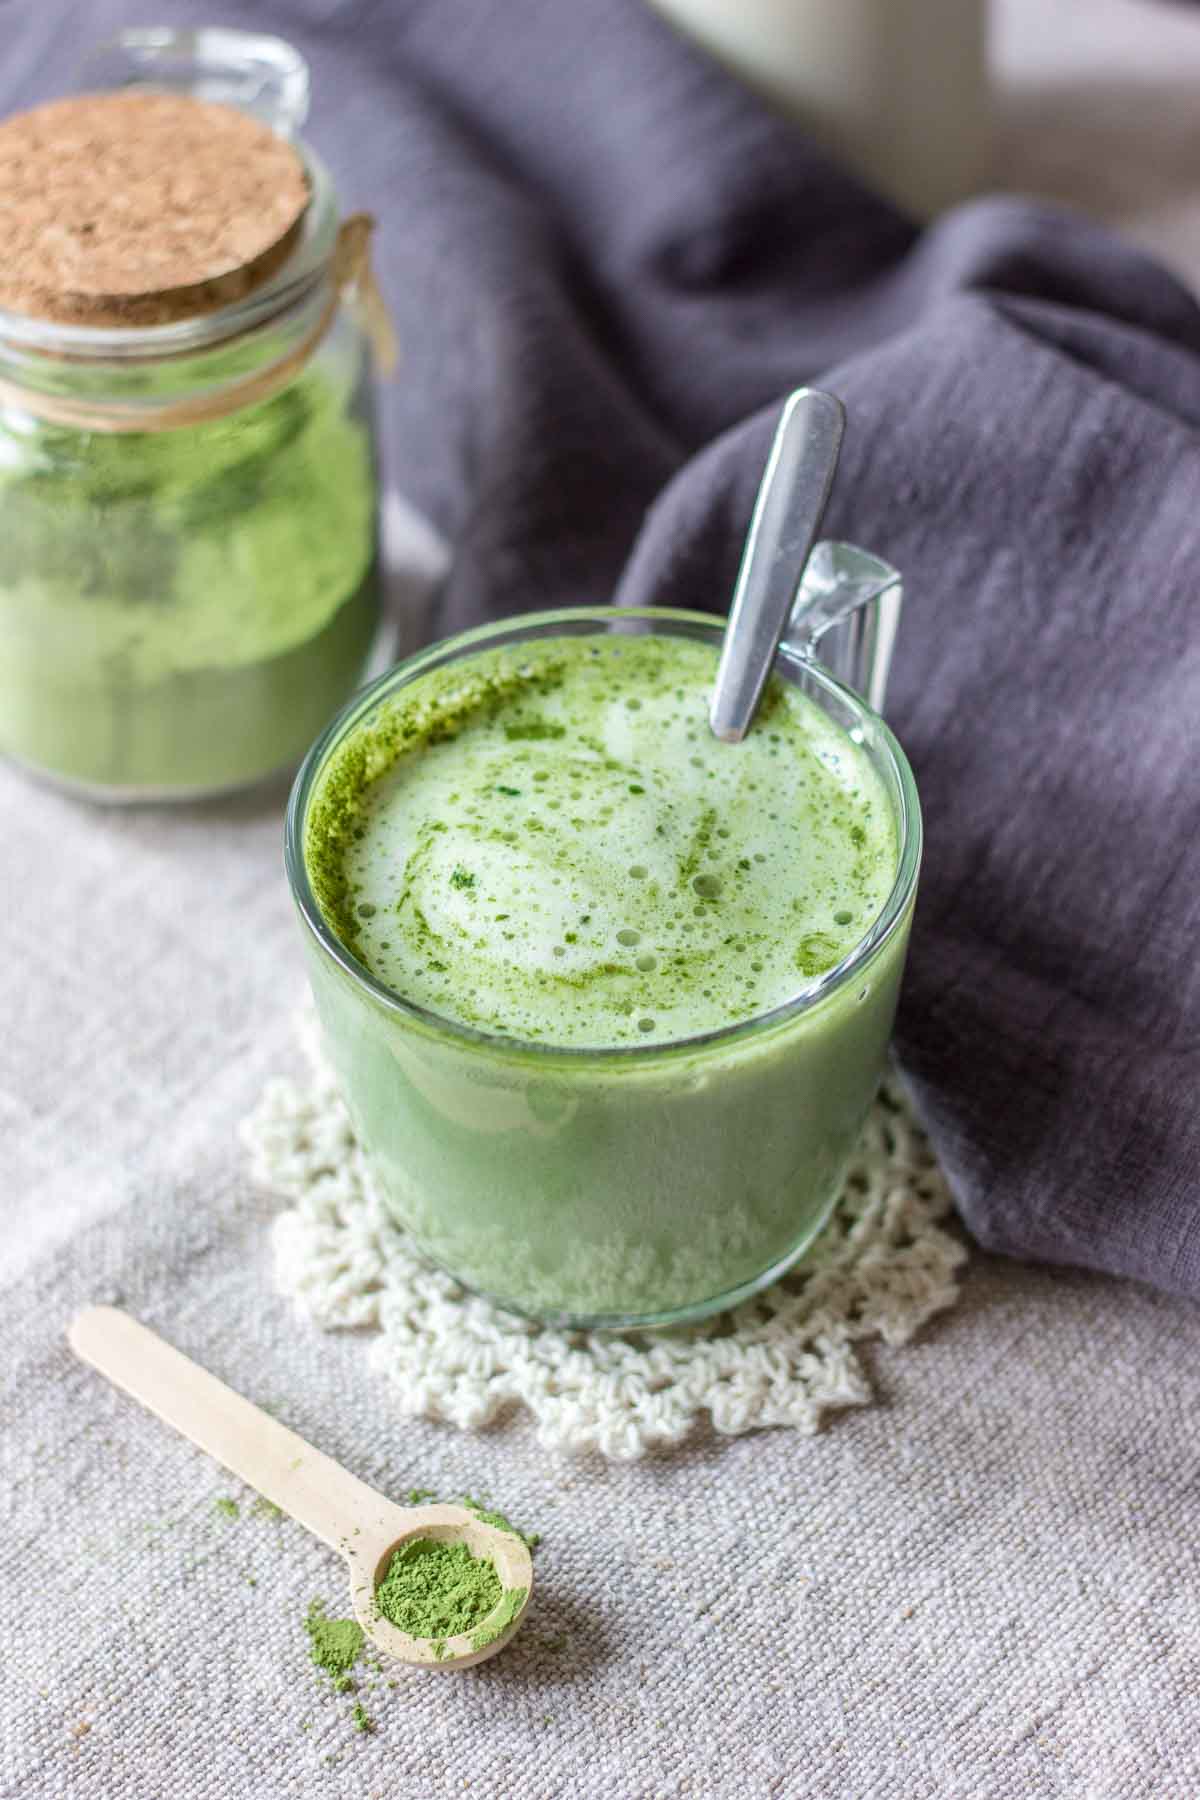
[
  {"x": 488, "y": 1516},
  {"x": 334, "y": 1644}
]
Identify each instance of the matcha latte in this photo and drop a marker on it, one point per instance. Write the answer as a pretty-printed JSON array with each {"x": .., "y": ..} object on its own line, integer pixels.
[{"x": 608, "y": 998}]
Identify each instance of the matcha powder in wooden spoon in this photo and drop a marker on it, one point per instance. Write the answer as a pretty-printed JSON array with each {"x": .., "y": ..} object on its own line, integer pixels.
[{"x": 439, "y": 1590}]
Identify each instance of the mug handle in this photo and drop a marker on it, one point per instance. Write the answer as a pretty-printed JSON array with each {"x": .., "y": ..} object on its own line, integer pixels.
[{"x": 857, "y": 597}]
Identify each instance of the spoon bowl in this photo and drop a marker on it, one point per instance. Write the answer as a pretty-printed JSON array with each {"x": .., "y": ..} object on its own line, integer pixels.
[{"x": 370, "y": 1556}]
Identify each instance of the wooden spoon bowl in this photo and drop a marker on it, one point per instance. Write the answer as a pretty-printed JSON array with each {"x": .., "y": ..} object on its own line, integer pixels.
[{"x": 370, "y": 1557}]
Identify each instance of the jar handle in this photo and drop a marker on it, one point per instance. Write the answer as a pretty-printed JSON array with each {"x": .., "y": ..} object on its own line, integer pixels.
[{"x": 856, "y": 597}]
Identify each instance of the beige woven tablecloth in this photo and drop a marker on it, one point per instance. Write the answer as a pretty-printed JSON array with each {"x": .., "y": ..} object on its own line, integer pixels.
[{"x": 986, "y": 1585}]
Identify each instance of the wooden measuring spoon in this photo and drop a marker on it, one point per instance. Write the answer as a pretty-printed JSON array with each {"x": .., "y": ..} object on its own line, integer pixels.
[{"x": 334, "y": 1505}]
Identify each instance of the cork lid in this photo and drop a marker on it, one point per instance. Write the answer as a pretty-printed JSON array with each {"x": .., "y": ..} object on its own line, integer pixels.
[{"x": 140, "y": 208}]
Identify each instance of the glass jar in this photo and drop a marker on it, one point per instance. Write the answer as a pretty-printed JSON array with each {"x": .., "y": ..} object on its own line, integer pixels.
[{"x": 188, "y": 510}]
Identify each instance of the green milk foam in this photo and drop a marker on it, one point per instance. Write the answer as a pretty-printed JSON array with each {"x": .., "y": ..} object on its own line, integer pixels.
[{"x": 547, "y": 842}]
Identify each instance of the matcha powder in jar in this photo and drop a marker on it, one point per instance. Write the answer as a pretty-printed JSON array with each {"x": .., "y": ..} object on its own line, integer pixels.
[{"x": 188, "y": 497}]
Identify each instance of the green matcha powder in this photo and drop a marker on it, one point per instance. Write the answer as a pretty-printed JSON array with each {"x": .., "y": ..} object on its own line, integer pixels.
[
  {"x": 184, "y": 609},
  {"x": 440, "y": 1590}
]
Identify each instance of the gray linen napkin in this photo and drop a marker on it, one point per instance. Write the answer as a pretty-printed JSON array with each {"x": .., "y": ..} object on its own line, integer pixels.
[{"x": 609, "y": 263}]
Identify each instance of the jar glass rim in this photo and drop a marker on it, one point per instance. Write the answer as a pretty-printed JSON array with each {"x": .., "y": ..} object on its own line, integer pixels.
[{"x": 577, "y": 620}]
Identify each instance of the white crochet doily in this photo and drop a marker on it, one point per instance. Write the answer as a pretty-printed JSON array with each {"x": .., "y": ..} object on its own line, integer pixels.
[{"x": 881, "y": 1267}]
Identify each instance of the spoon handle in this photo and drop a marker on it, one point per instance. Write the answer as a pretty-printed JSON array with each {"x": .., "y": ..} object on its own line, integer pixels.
[
  {"x": 334, "y": 1505},
  {"x": 787, "y": 517}
]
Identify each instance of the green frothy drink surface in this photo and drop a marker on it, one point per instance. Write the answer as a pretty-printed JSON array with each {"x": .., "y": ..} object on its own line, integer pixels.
[{"x": 546, "y": 842}]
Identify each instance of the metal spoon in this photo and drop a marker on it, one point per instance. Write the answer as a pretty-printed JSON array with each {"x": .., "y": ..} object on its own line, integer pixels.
[
  {"x": 787, "y": 517},
  {"x": 334, "y": 1505}
]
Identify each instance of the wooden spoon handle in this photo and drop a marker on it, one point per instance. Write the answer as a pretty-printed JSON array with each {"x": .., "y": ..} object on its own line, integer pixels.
[{"x": 335, "y": 1505}]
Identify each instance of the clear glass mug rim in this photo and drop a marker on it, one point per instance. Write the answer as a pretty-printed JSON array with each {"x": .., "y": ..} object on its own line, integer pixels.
[{"x": 541, "y": 624}]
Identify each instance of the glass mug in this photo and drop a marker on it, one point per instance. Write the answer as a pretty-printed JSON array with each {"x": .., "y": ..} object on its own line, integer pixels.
[{"x": 629, "y": 1186}]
